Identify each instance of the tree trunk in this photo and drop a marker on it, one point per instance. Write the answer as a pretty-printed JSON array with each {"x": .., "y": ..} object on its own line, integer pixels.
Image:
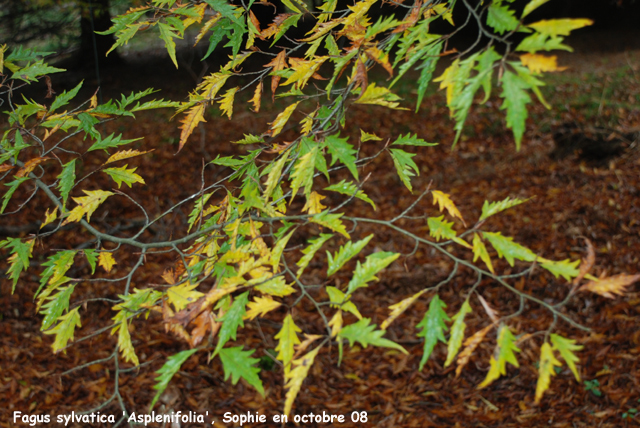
[{"x": 93, "y": 45}]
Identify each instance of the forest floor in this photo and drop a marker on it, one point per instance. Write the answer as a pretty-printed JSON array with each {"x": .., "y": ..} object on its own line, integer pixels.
[{"x": 575, "y": 194}]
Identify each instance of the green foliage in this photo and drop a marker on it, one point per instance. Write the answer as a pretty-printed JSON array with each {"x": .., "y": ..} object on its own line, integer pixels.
[{"x": 245, "y": 232}]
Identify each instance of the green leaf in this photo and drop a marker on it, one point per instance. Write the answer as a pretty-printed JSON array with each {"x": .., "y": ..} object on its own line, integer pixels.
[
  {"x": 566, "y": 348},
  {"x": 232, "y": 320},
  {"x": 346, "y": 252},
  {"x": 31, "y": 72},
  {"x": 330, "y": 221},
  {"x": 167, "y": 35},
  {"x": 13, "y": 186},
  {"x": 287, "y": 339},
  {"x": 515, "y": 102},
  {"x": 541, "y": 42},
  {"x": 531, "y": 6},
  {"x": 302, "y": 175},
  {"x": 166, "y": 372},
  {"x": 56, "y": 306},
  {"x": 56, "y": 267},
  {"x": 92, "y": 259},
  {"x": 64, "y": 329},
  {"x": 350, "y": 189},
  {"x": 339, "y": 300},
  {"x": 428, "y": 67},
  {"x": 109, "y": 142},
  {"x": 225, "y": 9},
  {"x": 19, "y": 259},
  {"x": 457, "y": 332},
  {"x": 237, "y": 364},
  {"x": 505, "y": 351},
  {"x": 501, "y": 18},
  {"x": 67, "y": 180},
  {"x": 64, "y": 98},
  {"x": 565, "y": 268},
  {"x": 250, "y": 139},
  {"x": 405, "y": 166},
  {"x": 339, "y": 148},
  {"x": 433, "y": 327},
  {"x": 492, "y": 208},
  {"x": 439, "y": 228},
  {"x": 411, "y": 140},
  {"x": 124, "y": 175},
  {"x": 366, "y": 334},
  {"x": 310, "y": 251},
  {"x": 366, "y": 272},
  {"x": 508, "y": 249},
  {"x": 275, "y": 174}
]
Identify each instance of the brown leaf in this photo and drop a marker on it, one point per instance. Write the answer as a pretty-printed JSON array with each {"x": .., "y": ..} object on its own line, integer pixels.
[
  {"x": 488, "y": 309},
  {"x": 203, "y": 324},
  {"x": 411, "y": 20},
  {"x": 607, "y": 287},
  {"x": 5, "y": 167},
  {"x": 30, "y": 166},
  {"x": 274, "y": 27},
  {"x": 470, "y": 345},
  {"x": 255, "y": 22},
  {"x": 587, "y": 263}
]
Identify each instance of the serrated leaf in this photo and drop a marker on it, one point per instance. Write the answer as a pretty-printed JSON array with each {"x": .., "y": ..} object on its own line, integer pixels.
[
  {"x": 87, "y": 205},
  {"x": 540, "y": 63},
  {"x": 238, "y": 364},
  {"x": 508, "y": 249},
  {"x": 124, "y": 338},
  {"x": 366, "y": 272},
  {"x": 531, "y": 6},
  {"x": 341, "y": 301},
  {"x": 276, "y": 287},
  {"x": 565, "y": 268},
  {"x": 287, "y": 339},
  {"x": 182, "y": 294},
  {"x": 106, "y": 260},
  {"x": 428, "y": 67},
  {"x": 566, "y": 348},
  {"x": 232, "y": 320},
  {"x": 296, "y": 376},
  {"x": 55, "y": 306},
  {"x": 226, "y": 103},
  {"x": 439, "y": 228},
  {"x": 225, "y": 9},
  {"x": 278, "y": 249},
  {"x": 365, "y": 136},
  {"x": 49, "y": 217},
  {"x": 124, "y": 175},
  {"x": 339, "y": 148},
  {"x": 398, "y": 309},
  {"x": 125, "y": 154},
  {"x": 166, "y": 372},
  {"x": 492, "y": 208},
  {"x": 350, "y": 189},
  {"x": 281, "y": 120},
  {"x": 331, "y": 221},
  {"x": 433, "y": 326},
  {"x": 607, "y": 287},
  {"x": 504, "y": 353},
  {"x": 313, "y": 205},
  {"x": 260, "y": 306},
  {"x": 13, "y": 186},
  {"x": 250, "y": 139},
  {"x": 470, "y": 346},
  {"x": 344, "y": 254},
  {"x": 479, "y": 250},
  {"x": 379, "y": 96},
  {"x": 31, "y": 72},
  {"x": 405, "y": 166},
  {"x": 515, "y": 102},
  {"x": 559, "y": 27},
  {"x": 365, "y": 334},
  {"x": 194, "y": 116},
  {"x": 109, "y": 142},
  {"x": 19, "y": 258},
  {"x": 275, "y": 174},
  {"x": 303, "y": 70},
  {"x": 444, "y": 202},
  {"x": 167, "y": 35},
  {"x": 302, "y": 175},
  {"x": 501, "y": 18},
  {"x": 546, "y": 369},
  {"x": 311, "y": 250},
  {"x": 64, "y": 98},
  {"x": 64, "y": 329},
  {"x": 457, "y": 332},
  {"x": 411, "y": 140}
]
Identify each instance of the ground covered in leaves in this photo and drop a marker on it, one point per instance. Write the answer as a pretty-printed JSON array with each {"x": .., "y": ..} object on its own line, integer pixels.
[{"x": 575, "y": 194}]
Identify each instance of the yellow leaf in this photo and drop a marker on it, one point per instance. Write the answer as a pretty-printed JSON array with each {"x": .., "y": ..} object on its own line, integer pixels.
[
  {"x": 211, "y": 85},
  {"x": 94, "y": 101},
  {"x": 559, "y": 27},
  {"x": 206, "y": 27},
  {"x": 398, "y": 308},
  {"x": 444, "y": 201},
  {"x": 257, "y": 97},
  {"x": 607, "y": 287},
  {"x": 199, "y": 9},
  {"x": 182, "y": 294},
  {"x": 260, "y": 306},
  {"x": 545, "y": 370},
  {"x": 281, "y": 120},
  {"x": 321, "y": 29},
  {"x": 287, "y": 339},
  {"x": 49, "y": 217},
  {"x": 125, "y": 154},
  {"x": 295, "y": 377},
  {"x": 87, "y": 205},
  {"x": 379, "y": 96},
  {"x": 226, "y": 103},
  {"x": 540, "y": 63},
  {"x": 309, "y": 339},
  {"x": 303, "y": 70},
  {"x": 365, "y": 136},
  {"x": 106, "y": 260},
  {"x": 336, "y": 323},
  {"x": 480, "y": 250},
  {"x": 307, "y": 123},
  {"x": 189, "y": 123},
  {"x": 448, "y": 80},
  {"x": 358, "y": 10},
  {"x": 381, "y": 58},
  {"x": 313, "y": 204}
]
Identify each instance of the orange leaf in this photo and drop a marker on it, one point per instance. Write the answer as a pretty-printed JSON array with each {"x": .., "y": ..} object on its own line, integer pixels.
[
  {"x": 470, "y": 345},
  {"x": 411, "y": 20},
  {"x": 189, "y": 123},
  {"x": 255, "y": 23},
  {"x": 586, "y": 264},
  {"x": 278, "y": 63},
  {"x": 257, "y": 97},
  {"x": 203, "y": 323},
  {"x": 607, "y": 287},
  {"x": 5, "y": 167},
  {"x": 274, "y": 27},
  {"x": 29, "y": 166}
]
